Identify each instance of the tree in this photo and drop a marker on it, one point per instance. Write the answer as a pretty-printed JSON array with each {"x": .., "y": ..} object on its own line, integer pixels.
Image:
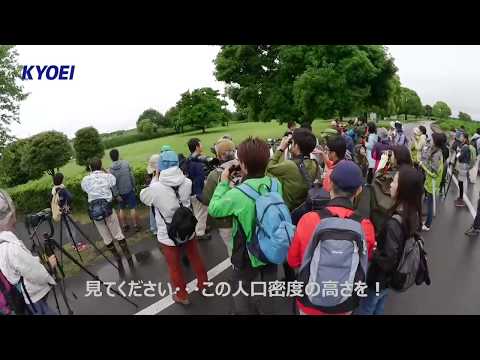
[
  {"x": 173, "y": 120},
  {"x": 88, "y": 145},
  {"x": 410, "y": 103},
  {"x": 464, "y": 116},
  {"x": 46, "y": 152},
  {"x": 11, "y": 170},
  {"x": 441, "y": 110},
  {"x": 147, "y": 126},
  {"x": 201, "y": 108},
  {"x": 427, "y": 111},
  {"x": 304, "y": 82},
  {"x": 156, "y": 117},
  {"x": 11, "y": 93}
]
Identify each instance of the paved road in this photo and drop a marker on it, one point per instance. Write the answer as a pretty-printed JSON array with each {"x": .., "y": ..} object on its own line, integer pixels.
[{"x": 454, "y": 262}]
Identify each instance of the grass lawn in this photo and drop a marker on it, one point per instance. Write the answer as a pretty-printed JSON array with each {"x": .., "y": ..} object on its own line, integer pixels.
[
  {"x": 139, "y": 153},
  {"x": 447, "y": 124}
]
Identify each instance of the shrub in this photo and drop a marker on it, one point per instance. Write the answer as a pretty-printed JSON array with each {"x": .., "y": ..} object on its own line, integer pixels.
[{"x": 36, "y": 196}]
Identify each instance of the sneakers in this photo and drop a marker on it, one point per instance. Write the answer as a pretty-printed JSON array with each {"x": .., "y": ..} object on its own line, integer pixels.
[
  {"x": 459, "y": 203},
  {"x": 472, "y": 231},
  {"x": 180, "y": 301},
  {"x": 425, "y": 228}
]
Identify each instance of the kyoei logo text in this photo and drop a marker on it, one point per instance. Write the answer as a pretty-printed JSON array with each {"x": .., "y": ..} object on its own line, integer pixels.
[{"x": 48, "y": 72}]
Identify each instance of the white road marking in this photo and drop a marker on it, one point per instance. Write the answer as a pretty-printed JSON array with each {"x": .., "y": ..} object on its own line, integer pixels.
[
  {"x": 167, "y": 301},
  {"x": 472, "y": 210}
]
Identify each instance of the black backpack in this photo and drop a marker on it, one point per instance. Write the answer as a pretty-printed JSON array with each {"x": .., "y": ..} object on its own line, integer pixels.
[
  {"x": 182, "y": 226},
  {"x": 412, "y": 267},
  {"x": 99, "y": 209}
]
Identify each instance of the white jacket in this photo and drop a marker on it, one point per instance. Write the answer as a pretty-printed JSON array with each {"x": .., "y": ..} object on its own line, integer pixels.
[
  {"x": 98, "y": 185},
  {"x": 17, "y": 261},
  {"x": 162, "y": 196}
]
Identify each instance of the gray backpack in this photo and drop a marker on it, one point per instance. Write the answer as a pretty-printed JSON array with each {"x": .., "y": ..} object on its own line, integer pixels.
[{"x": 337, "y": 254}]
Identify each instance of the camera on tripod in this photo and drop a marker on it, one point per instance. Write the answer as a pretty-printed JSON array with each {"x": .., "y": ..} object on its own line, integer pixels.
[{"x": 34, "y": 220}]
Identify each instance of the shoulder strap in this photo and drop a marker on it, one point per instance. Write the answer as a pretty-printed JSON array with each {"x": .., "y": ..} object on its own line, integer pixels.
[
  {"x": 248, "y": 191},
  {"x": 324, "y": 213},
  {"x": 306, "y": 176},
  {"x": 274, "y": 185},
  {"x": 175, "y": 189}
]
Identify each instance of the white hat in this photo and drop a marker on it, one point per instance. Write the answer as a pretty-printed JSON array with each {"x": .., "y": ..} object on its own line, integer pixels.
[
  {"x": 7, "y": 208},
  {"x": 152, "y": 164}
]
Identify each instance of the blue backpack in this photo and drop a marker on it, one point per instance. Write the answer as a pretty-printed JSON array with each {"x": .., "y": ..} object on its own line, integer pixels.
[{"x": 273, "y": 227}]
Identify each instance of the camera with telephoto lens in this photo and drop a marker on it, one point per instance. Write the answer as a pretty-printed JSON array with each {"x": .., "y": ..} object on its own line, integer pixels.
[{"x": 34, "y": 220}]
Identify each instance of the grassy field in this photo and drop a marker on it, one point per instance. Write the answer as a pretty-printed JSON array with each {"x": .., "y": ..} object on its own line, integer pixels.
[
  {"x": 470, "y": 126},
  {"x": 138, "y": 153}
]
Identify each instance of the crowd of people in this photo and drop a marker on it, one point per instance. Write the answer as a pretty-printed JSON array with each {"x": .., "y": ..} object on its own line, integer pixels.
[{"x": 297, "y": 208}]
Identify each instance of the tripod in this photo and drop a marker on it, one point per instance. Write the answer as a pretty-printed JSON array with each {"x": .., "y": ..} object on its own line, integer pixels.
[
  {"x": 448, "y": 177},
  {"x": 47, "y": 250},
  {"x": 66, "y": 220}
]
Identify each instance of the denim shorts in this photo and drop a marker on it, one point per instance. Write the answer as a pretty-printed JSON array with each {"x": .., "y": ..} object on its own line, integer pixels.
[{"x": 129, "y": 200}]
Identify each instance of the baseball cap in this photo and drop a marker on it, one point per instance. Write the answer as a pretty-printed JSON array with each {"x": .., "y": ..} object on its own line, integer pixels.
[
  {"x": 347, "y": 176},
  {"x": 168, "y": 158}
]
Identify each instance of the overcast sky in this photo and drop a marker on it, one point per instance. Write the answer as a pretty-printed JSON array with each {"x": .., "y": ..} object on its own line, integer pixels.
[{"x": 114, "y": 84}]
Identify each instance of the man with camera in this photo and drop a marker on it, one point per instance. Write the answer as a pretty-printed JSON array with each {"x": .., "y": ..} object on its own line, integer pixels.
[
  {"x": 195, "y": 170},
  {"x": 296, "y": 175},
  {"x": 225, "y": 151},
  {"x": 20, "y": 268},
  {"x": 98, "y": 185}
]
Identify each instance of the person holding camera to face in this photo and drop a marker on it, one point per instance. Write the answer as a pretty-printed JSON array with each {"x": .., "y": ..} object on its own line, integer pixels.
[
  {"x": 225, "y": 151},
  {"x": 20, "y": 269},
  {"x": 98, "y": 186},
  {"x": 296, "y": 175}
]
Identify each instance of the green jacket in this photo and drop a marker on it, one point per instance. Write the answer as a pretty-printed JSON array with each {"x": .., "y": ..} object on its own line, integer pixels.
[
  {"x": 433, "y": 170},
  {"x": 227, "y": 201},
  {"x": 287, "y": 172}
]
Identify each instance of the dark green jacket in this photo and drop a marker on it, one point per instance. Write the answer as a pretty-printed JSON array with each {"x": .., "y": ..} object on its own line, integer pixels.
[{"x": 294, "y": 186}]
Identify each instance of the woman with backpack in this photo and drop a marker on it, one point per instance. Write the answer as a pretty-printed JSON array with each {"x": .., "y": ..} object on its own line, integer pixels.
[
  {"x": 170, "y": 193},
  {"x": 406, "y": 190},
  {"x": 372, "y": 140}
]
